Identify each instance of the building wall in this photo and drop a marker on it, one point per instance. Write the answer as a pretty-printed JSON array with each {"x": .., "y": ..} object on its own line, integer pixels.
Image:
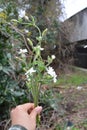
[{"x": 79, "y": 30}]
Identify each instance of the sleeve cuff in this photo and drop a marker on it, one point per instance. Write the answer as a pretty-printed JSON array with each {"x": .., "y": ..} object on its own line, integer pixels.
[{"x": 17, "y": 127}]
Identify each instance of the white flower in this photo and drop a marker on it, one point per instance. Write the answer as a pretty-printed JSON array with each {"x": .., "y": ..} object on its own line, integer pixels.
[
  {"x": 53, "y": 57},
  {"x": 37, "y": 49},
  {"x": 26, "y": 31},
  {"x": 51, "y": 72},
  {"x": 40, "y": 48},
  {"x": 28, "y": 78},
  {"x": 22, "y": 51},
  {"x": 30, "y": 71},
  {"x": 54, "y": 79},
  {"x": 21, "y": 13}
]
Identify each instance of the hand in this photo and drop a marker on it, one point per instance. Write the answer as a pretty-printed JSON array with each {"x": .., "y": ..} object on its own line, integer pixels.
[{"x": 25, "y": 115}]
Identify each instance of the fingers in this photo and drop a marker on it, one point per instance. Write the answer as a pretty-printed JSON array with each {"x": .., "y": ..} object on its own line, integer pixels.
[
  {"x": 36, "y": 112},
  {"x": 29, "y": 108},
  {"x": 26, "y": 107}
]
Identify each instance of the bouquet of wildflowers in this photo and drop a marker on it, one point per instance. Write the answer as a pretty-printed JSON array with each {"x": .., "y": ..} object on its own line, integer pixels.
[{"x": 38, "y": 71}]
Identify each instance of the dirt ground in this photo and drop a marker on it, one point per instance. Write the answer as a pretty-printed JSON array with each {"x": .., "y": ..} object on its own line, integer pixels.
[
  {"x": 75, "y": 104},
  {"x": 73, "y": 107}
]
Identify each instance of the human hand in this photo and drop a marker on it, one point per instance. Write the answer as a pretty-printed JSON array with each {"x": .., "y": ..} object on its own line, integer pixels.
[{"x": 25, "y": 115}]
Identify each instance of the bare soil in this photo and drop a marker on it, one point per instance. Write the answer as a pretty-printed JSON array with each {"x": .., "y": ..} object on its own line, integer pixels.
[
  {"x": 75, "y": 104},
  {"x": 72, "y": 108}
]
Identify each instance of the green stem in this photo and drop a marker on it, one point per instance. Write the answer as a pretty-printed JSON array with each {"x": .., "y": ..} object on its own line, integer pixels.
[
  {"x": 38, "y": 29},
  {"x": 36, "y": 98}
]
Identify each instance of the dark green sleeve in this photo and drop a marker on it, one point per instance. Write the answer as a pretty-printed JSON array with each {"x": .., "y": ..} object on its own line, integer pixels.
[{"x": 17, "y": 127}]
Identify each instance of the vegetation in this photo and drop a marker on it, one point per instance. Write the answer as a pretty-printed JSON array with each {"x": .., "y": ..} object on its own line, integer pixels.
[
  {"x": 30, "y": 38},
  {"x": 76, "y": 78},
  {"x": 19, "y": 44}
]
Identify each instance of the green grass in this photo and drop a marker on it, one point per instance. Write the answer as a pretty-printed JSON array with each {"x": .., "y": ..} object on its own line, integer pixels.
[{"x": 75, "y": 78}]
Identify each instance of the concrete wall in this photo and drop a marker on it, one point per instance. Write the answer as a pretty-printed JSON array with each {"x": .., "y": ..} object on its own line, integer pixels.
[{"x": 79, "y": 30}]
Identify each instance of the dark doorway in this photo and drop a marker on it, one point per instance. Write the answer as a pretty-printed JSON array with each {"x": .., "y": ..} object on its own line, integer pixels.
[{"x": 81, "y": 54}]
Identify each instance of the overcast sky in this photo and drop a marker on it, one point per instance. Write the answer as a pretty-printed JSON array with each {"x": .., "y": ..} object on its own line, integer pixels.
[{"x": 74, "y": 6}]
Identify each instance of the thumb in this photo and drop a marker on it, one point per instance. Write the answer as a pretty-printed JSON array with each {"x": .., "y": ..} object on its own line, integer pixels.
[{"x": 36, "y": 111}]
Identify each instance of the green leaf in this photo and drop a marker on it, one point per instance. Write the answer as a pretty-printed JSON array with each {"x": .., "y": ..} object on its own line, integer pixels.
[
  {"x": 6, "y": 70},
  {"x": 17, "y": 94},
  {"x": 1, "y": 67}
]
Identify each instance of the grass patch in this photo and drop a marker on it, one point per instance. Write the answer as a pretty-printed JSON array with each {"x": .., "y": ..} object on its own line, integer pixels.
[{"x": 75, "y": 78}]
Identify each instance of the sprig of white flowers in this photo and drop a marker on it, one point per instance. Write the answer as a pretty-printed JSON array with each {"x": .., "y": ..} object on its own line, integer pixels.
[
  {"x": 49, "y": 70},
  {"x": 22, "y": 51},
  {"x": 52, "y": 73},
  {"x": 30, "y": 71},
  {"x": 37, "y": 68},
  {"x": 22, "y": 14}
]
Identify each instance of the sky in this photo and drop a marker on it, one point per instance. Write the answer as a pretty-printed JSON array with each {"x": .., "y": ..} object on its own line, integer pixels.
[{"x": 74, "y": 6}]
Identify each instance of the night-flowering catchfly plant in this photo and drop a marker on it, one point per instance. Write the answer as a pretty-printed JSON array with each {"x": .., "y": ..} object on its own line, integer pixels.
[{"x": 37, "y": 71}]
